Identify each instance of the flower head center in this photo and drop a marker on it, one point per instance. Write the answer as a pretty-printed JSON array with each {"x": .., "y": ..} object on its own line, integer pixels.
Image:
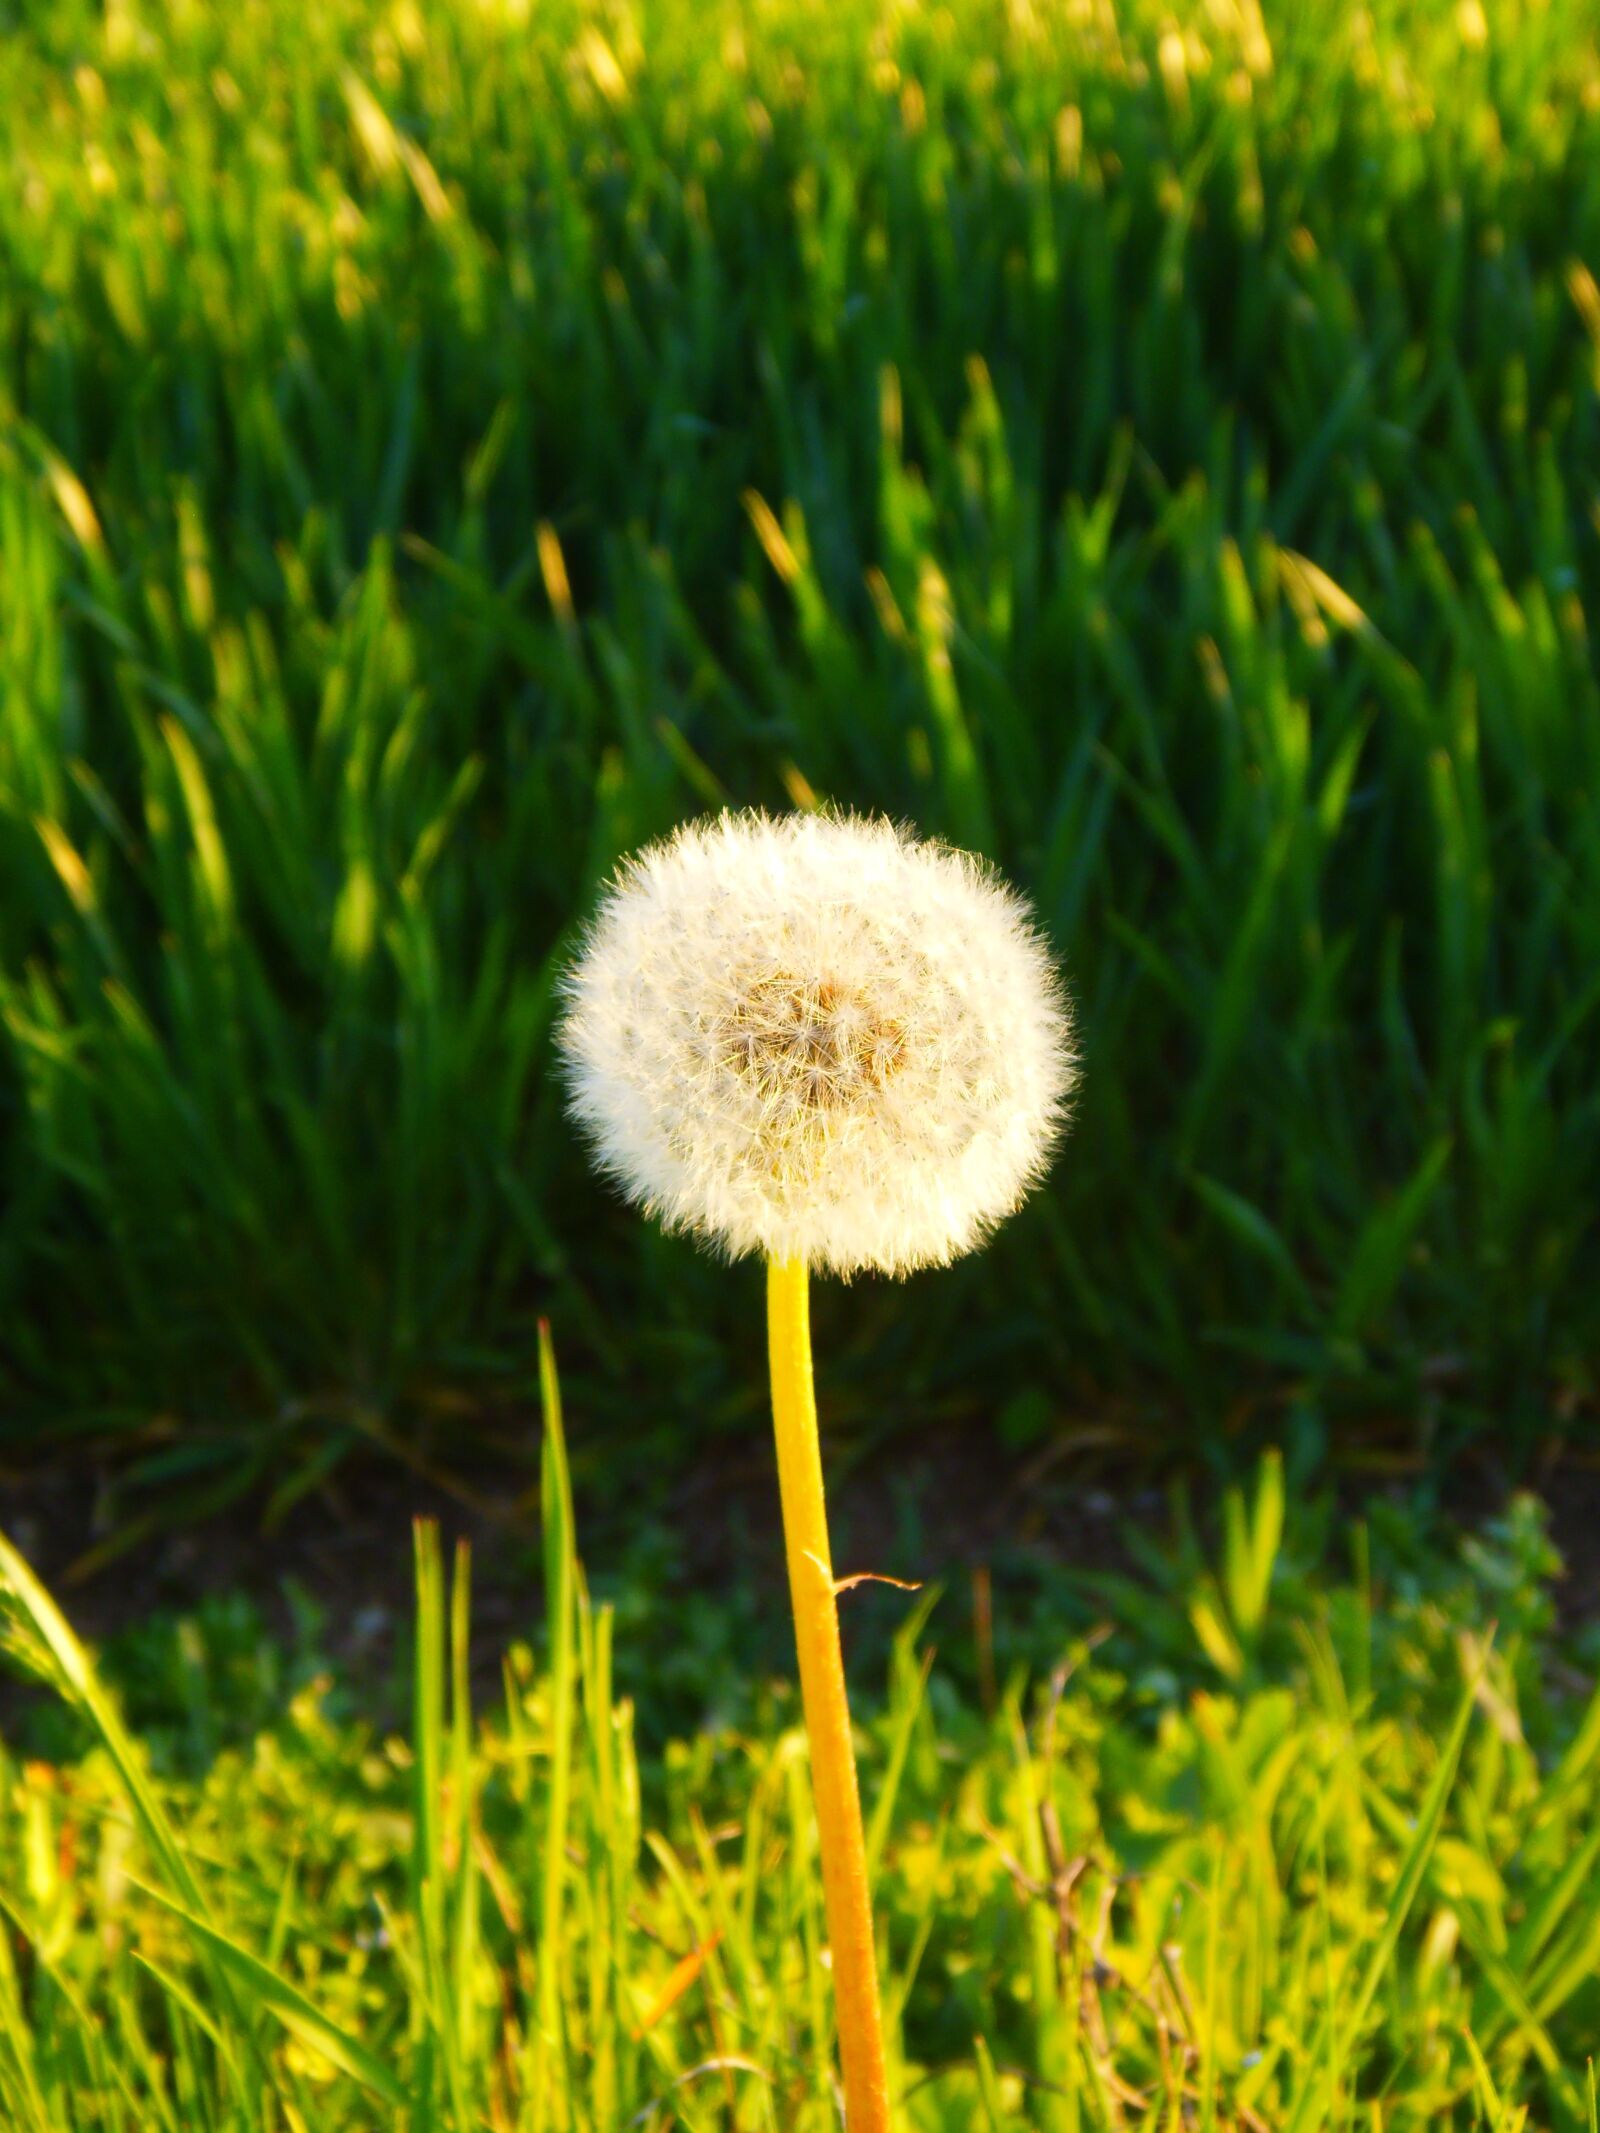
[{"x": 812, "y": 1045}]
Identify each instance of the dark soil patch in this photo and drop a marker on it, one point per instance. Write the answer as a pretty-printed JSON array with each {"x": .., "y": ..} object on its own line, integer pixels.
[
  {"x": 941, "y": 1511},
  {"x": 943, "y": 1508}
]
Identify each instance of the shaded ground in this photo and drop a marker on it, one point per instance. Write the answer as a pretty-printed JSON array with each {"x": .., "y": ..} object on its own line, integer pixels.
[
  {"x": 941, "y": 1514},
  {"x": 945, "y": 1510}
]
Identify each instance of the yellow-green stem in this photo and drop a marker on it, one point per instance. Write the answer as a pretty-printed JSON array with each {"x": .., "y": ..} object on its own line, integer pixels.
[{"x": 833, "y": 1761}]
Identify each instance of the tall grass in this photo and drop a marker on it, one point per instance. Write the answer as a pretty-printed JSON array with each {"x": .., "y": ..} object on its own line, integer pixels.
[
  {"x": 442, "y": 444},
  {"x": 1292, "y": 1850}
]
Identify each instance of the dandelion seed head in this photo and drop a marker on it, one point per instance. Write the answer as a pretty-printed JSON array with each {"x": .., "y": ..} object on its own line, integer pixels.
[{"x": 817, "y": 1037}]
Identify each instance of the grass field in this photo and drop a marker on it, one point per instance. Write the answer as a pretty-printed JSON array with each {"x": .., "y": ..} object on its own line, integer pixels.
[
  {"x": 442, "y": 444},
  {"x": 1303, "y": 1843},
  {"x": 446, "y": 442}
]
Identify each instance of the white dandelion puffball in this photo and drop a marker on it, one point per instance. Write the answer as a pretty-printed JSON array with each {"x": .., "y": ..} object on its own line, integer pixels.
[{"x": 817, "y": 1037}]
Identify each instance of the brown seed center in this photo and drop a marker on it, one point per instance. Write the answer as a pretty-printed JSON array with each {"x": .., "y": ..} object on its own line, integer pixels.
[{"x": 813, "y": 1042}]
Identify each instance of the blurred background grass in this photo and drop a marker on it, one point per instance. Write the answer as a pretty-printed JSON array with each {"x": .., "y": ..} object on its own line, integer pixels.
[{"x": 442, "y": 445}]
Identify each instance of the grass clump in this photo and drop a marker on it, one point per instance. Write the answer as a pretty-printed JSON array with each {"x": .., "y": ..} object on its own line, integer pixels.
[
  {"x": 1293, "y": 1848},
  {"x": 442, "y": 446}
]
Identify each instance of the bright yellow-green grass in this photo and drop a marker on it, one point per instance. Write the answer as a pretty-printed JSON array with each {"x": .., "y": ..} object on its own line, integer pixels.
[
  {"x": 1256, "y": 1848},
  {"x": 443, "y": 442}
]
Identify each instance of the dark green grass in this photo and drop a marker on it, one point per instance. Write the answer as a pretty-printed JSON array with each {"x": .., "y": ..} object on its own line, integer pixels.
[{"x": 439, "y": 449}]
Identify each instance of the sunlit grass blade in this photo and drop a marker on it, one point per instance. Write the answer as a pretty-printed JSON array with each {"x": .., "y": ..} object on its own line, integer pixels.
[
  {"x": 547, "y": 2069},
  {"x": 262, "y": 1987},
  {"x": 1341, "y": 2025}
]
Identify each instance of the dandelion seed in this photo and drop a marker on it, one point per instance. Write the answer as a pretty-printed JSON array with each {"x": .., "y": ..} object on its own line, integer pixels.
[{"x": 817, "y": 1038}]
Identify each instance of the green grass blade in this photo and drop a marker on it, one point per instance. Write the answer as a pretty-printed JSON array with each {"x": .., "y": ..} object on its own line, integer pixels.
[
  {"x": 547, "y": 2071},
  {"x": 264, "y": 1988}
]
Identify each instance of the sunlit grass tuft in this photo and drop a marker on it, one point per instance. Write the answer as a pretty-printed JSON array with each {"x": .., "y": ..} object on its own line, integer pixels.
[{"x": 1329, "y": 1861}]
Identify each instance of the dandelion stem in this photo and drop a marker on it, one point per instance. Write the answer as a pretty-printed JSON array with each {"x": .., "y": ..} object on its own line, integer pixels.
[{"x": 833, "y": 1763}]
